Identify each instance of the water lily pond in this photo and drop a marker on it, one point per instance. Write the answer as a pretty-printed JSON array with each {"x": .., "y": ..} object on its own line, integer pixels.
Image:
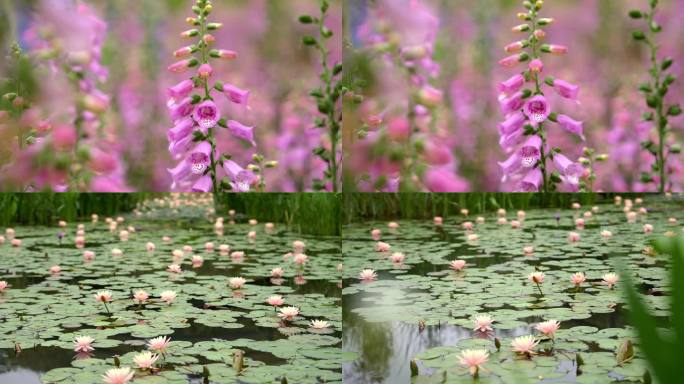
[
  {"x": 218, "y": 326},
  {"x": 412, "y": 314}
]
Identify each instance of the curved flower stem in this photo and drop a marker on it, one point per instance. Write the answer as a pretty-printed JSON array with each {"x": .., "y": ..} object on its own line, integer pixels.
[
  {"x": 539, "y": 288},
  {"x": 109, "y": 314}
]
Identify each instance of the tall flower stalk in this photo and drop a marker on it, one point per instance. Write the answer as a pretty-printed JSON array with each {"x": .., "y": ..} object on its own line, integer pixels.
[
  {"x": 655, "y": 91},
  {"x": 526, "y": 111},
  {"x": 327, "y": 97},
  {"x": 196, "y": 116}
]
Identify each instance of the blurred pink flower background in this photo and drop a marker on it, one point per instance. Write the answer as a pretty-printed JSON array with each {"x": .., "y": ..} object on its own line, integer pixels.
[
  {"x": 138, "y": 38},
  {"x": 468, "y": 39}
]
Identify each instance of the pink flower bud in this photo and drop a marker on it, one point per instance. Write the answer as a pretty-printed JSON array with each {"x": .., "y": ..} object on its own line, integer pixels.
[
  {"x": 536, "y": 66},
  {"x": 509, "y": 61},
  {"x": 209, "y": 39},
  {"x": 183, "y": 52},
  {"x": 205, "y": 71},
  {"x": 224, "y": 54},
  {"x": 182, "y": 66},
  {"x": 557, "y": 49},
  {"x": 515, "y": 47}
]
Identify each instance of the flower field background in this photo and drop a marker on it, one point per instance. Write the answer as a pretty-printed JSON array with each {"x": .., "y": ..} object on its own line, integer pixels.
[
  {"x": 435, "y": 81},
  {"x": 92, "y": 92}
]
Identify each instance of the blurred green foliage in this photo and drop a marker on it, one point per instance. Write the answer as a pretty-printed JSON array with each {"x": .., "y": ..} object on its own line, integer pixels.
[
  {"x": 664, "y": 349},
  {"x": 309, "y": 213},
  {"x": 47, "y": 208}
]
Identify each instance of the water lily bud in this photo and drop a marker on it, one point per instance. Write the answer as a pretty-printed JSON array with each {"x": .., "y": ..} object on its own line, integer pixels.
[
  {"x": 238, "y": 360},
  {"x": 414, "y": 368}
]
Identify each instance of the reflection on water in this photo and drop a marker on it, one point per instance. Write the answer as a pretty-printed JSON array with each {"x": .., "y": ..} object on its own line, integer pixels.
[{"x": 386, "y": 349}]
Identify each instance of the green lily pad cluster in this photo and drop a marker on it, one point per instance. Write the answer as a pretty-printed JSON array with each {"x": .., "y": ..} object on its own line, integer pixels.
[
  {"x": 42, "y": 313},
  {"x": 420, "y": 312}
]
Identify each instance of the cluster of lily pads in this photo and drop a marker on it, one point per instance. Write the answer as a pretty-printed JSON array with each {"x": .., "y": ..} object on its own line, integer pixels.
[
  {"x": 528, "y": 290},
  {"x": 171, "y": 293}
]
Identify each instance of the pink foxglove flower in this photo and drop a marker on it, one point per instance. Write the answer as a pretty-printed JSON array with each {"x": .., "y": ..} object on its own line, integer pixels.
[
  {"x": 195, "y": 116},
  {"x": 527, "y": 112}
]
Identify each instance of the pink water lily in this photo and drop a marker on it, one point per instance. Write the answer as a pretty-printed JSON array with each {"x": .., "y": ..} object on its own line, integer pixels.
[
  {"x": 118, "y": 375},
  {"x": 473, "y": 359},
  {"x": 83, "y": 344}
]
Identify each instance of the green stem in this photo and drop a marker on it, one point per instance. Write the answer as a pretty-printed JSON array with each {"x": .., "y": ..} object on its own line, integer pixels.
[
  {"x": 207, "y": 96},
  {"x": 661, "y": 120},
  {"x": 538, "y": 91},
  {"x": 109, "y": 314},
  {"x": 333, "y": 127},
  {"x": 539, "y": 288}
]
